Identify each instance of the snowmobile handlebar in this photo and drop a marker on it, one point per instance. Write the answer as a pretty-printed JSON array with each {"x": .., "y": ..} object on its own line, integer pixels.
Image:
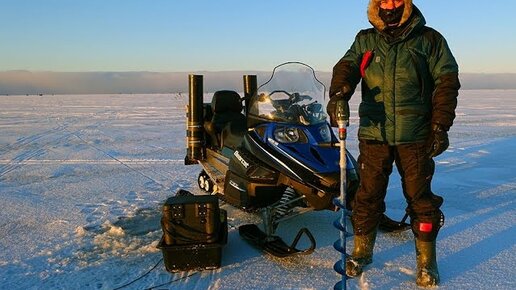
[{"x": 329, "y": 145}]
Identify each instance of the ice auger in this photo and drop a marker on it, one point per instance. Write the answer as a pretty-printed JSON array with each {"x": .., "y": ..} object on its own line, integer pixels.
[{"x": 340, "y": 202}]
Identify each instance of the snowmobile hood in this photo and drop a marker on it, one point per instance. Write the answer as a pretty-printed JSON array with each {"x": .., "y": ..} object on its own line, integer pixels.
[{"x": 374, "y": 18}]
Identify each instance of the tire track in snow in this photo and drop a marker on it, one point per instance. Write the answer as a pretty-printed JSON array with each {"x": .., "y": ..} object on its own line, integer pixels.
[
  {"x": 19, "y": 160},
  {"x": 27, "y": 153},
  {"x": 92, "y": 161},
  {"x": 126, "y": 162},
  {"x": 23, "y": 142},
  {"x": 116, "y": 159}
]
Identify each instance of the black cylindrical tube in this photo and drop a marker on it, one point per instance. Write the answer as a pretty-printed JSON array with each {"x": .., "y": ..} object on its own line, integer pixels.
[
  {"x": 250, "y": 87},
  {"x": 195, "y": 130}
]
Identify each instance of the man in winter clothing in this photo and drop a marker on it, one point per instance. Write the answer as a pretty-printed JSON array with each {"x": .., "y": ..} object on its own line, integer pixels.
[{"x": 409, "y": 94}]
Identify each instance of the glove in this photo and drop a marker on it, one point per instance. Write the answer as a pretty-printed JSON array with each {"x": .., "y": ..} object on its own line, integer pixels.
[
  {"x": 332, "y": 109},
  {"x": 438, "y": 141}
]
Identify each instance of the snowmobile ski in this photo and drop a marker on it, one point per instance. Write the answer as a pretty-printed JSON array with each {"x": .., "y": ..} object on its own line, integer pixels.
[{"x": 274, "y": 245}]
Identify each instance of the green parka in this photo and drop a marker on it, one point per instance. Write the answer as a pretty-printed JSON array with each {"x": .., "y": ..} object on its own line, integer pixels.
[{"x": 409, "y": 78}]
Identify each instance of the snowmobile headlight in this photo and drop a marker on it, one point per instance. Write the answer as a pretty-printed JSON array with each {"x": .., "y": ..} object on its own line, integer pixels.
[
  {"x": 289, "y": 135},
  {"x": 324, "y": 130}
]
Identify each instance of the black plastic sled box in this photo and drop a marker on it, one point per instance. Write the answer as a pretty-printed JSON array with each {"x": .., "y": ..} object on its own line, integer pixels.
[
  {"x": 194, "y": 232},
  {"x": 191, "y": 219}
]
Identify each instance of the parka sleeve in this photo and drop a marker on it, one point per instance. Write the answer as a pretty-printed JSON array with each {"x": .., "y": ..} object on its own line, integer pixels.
[
  {"x": 445, "y": 73},
  {"x": 346, "y": 73}
]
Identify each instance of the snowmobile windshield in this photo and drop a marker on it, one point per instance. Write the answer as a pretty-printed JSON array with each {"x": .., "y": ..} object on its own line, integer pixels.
[{"x": 292, "y": 95}]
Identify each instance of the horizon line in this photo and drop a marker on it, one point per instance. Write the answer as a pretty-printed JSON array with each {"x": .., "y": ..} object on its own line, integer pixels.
[{"x": 205, "y": 71}]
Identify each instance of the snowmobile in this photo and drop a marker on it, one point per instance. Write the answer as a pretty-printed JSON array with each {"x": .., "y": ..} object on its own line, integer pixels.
[{"x": 271, "y": 151}]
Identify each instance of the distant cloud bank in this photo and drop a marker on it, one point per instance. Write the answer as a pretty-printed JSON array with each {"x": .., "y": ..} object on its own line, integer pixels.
[{"x": 27, "y": 82}]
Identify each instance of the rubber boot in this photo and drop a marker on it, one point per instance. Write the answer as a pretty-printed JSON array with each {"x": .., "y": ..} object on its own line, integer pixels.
[
  {"x": 362, "y": 254},
  {"x": 427, "y": 272}
]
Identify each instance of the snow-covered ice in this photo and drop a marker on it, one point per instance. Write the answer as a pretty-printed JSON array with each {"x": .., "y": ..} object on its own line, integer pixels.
[{"x": 83, "y": 179}]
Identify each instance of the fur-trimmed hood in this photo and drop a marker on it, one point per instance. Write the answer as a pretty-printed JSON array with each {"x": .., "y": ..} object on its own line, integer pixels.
[{"x": 374, "y": 18}]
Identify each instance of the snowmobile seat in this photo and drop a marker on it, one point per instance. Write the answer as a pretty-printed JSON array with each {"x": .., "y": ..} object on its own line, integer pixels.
[
  {"x": 207, "y": 115},
  {"x": 227, "y": 117},
  {"x": 233, "y": 133}
]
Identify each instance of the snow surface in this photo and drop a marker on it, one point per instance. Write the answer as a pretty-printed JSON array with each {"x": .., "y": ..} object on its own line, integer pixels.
[{"x": 83, "y": 179}]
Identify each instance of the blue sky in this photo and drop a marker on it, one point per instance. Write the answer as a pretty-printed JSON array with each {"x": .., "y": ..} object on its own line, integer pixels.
[{"x": 215, "y": 35}]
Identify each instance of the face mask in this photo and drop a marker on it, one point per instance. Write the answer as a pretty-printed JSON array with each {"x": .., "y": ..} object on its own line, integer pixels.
[{"x": 392, "y": 17}]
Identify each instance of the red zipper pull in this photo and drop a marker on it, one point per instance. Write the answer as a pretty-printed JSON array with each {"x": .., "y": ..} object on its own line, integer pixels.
[{"x": 366, "y": 60}]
